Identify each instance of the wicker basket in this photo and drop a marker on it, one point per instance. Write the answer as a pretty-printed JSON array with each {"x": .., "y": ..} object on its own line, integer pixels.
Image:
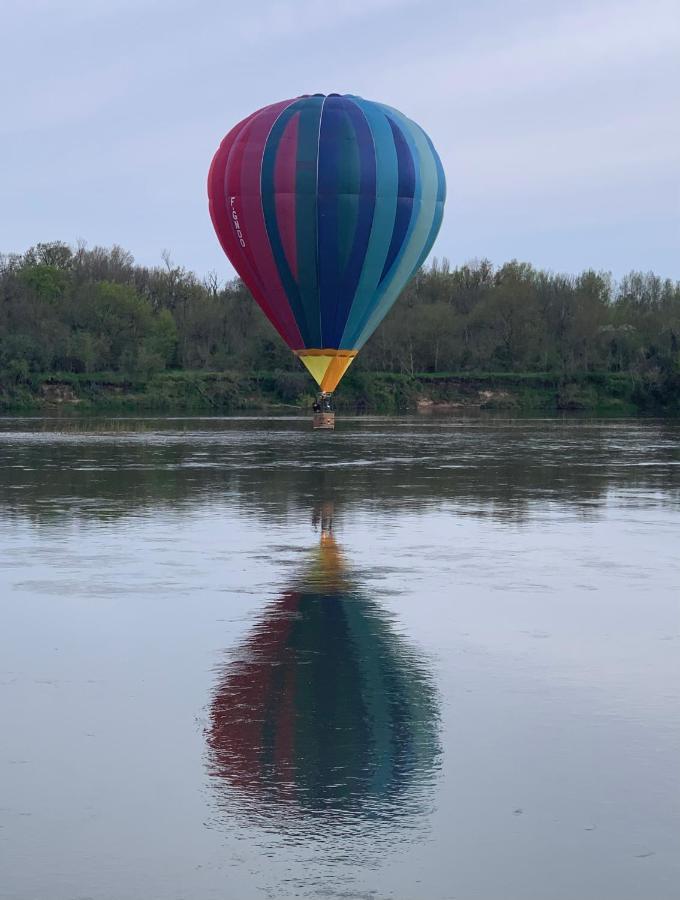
[{"x": 324, "y": 420}]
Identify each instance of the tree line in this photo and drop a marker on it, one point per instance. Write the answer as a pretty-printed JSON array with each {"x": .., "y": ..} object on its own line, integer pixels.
[{"x": 87, "y": 310}]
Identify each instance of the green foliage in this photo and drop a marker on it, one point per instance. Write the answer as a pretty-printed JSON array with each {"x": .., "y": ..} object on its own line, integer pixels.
[
  {"x": 291, "y": 386},
  {"x": 46, "y": 282},
  {"x": 17, "y": 371},
  {"x": 75, "y": 311}
]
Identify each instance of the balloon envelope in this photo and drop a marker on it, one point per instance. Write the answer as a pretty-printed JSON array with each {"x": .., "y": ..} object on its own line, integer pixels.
[{"x": 326, "y": 206}]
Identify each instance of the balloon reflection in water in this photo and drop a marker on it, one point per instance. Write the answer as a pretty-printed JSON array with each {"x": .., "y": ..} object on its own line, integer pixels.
[{"x": 326, "y": 711}]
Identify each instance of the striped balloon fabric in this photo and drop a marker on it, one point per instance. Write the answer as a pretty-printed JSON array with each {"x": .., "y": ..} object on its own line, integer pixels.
[{"x": 326, "y": 206}]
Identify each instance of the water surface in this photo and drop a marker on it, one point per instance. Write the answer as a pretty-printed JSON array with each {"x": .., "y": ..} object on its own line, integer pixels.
[{"x": 430, "y": 658}]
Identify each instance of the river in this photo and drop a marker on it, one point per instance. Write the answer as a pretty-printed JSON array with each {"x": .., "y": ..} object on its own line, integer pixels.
[{"x": 427, "y": 658}]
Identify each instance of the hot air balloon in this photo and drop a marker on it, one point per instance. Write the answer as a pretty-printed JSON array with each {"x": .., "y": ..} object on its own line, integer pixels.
[{"x": 326, "y": 206}]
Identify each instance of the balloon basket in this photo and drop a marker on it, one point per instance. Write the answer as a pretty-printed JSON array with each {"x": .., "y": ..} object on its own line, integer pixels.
[{"x": 325, "y": 420}]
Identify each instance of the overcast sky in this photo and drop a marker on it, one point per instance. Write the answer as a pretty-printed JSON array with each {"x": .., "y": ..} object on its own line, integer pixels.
[{"x": 558, "y": 122}]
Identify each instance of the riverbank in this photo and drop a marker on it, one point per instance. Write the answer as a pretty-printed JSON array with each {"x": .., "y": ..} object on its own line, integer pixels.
[{"x": 224, "y": 392}]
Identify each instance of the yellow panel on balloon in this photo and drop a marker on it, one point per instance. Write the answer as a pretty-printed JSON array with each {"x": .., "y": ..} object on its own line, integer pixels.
[
  {"x": 335, "y": 371},
  {"x": 327, "y": 367},
  {"x": 317, "y": 365}
]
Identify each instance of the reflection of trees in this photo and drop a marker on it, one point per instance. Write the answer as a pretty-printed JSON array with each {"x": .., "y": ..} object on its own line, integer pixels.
[
  {"x": 324, "y": 710},
  {"x": 497, "y": 469}
]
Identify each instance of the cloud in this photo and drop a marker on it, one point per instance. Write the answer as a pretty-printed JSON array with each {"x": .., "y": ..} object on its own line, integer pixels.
[
  {"x": 537, "y": 56},
  {"x": 56, "y": 102},
  {"x": 564, "y": 157},
  {"x": 570, "y": 107},
  {"x": 542, "y": 112},
  {"x": 300, "y": 18}
]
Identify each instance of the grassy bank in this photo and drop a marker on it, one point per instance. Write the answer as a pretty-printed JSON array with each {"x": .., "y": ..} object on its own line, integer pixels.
[{"x": 225, "y": 392}]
